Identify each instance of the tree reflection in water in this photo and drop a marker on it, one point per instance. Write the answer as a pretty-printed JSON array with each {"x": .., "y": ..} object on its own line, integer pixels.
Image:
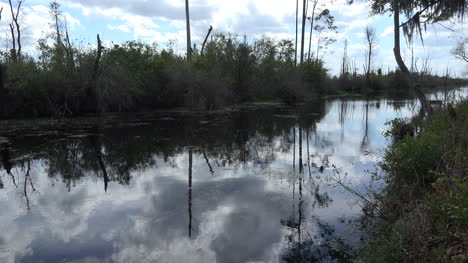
[{"x": 223, "y": 151}]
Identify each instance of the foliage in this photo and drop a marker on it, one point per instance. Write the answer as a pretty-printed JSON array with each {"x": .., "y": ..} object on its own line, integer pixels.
[
  {"x": 426, "y": 197},
  {"x": 421, "y": 13},
  {"x": 66, "y": 80}
]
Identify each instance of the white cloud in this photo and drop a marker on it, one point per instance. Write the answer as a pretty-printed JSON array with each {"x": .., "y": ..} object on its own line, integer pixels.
[{"x": 388, "y": 31}]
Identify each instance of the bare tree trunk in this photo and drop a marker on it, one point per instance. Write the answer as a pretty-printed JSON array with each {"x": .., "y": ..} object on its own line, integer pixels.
[
  {"x": 318, "y": 48},
  {"x": 303, "y": 30},
  {"x": 18, "y": 38},
  {"x": 13, "y": 41},
  {"x": 97, "y": 61},
  {"x": 2, "y": 81},
  {"x": 91, "y": 94},
  {"x": 426, "y": 106},
  {"x": 312, "y": 27},
  {"x": 206, "y": 38},
  {"x": 370, "y": 37},
  {"x": 17, "y": 26},
  {"x": 369, "y": 63},
  {"x": 71, "y": 56},
  {"x": 295, "y": 46},
  {"x": 189, "y": 42},
  {"x": 57, "y": 29}
]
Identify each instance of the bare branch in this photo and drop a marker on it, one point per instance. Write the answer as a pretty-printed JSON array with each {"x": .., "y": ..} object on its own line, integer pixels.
[{"x": 460, "y": 51}]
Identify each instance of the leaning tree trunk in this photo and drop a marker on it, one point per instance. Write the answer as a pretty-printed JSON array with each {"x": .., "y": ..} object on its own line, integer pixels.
[
  {"x": 206, "y": 39},
  {"x": 311, "y": 28},
  {"x": 426, "y": 106}
]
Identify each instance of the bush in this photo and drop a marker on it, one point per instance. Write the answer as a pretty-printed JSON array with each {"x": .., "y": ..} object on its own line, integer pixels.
[{"x": 426, "y": 198}]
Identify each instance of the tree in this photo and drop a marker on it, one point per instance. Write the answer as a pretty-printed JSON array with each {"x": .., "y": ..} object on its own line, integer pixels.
[
  {"x": 370, "y": 39},
  {"x": 311, "y": 19},
  {"x": 55, "y": 12},
  {"x": 2, "y": 81},
  {"x": 206, "y": 39},
  {"x": 344, "y": 62},
  {"x": 63, "y": 50},
  {"x": 419, "y": 14},
  {"x": 327, "y": 22},
  {"x": 322, "y": 41},
  {"x": 15, "y": 52},
  {"x": 295, "y": 46},
  {"x": 187, "y": 18},
  {"x": 303, "y": 29},
  {"x": 460, "y": 51}
]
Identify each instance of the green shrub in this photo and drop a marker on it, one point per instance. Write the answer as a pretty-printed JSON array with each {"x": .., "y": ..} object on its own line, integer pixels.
[{"x": 425, "y": 201}]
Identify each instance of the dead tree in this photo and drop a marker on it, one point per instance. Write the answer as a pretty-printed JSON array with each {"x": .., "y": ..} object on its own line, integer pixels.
[
  {"x": 189, "y": 42},
  {"x": 91, "y": 93},
  {"x": 16, "y": 52},
  {"x": 206, "y": 38},
  {"x": 460, "y": 51},
  {"x": 370, "y": 38},
  {"x": 295, "y": 46},
  {"x": 13, "y": 42},
  {"x": 303, "y": 30},
  {"x": 54, "y": 9},
  {"x": 69, "y": 49}
]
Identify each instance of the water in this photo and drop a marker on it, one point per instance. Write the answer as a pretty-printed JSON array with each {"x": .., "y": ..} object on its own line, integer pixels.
[{"x": 182, "y": 187}]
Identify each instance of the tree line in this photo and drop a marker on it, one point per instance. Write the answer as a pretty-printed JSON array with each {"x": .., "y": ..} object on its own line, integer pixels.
[{"x": 67, "y": 80}]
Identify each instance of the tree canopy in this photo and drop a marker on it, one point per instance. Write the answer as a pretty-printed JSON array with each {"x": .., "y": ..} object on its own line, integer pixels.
[{"x": 421, "y": 13}]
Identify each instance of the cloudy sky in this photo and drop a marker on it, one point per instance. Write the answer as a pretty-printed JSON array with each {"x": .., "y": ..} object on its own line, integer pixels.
[{"x": 161, "y": 21}]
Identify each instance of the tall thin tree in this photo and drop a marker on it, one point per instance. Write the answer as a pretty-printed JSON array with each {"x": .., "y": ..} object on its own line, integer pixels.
[
  {"x": 2, "y": 79},
  {"x": 187, "y": 18},
  {"x": 303, "y": 30},
  {"x": 295, "y": 47},
  {"x": 16, "y": 53},
  {"x": 311, "y": 19},
  {"x": 370, "y": 39}
]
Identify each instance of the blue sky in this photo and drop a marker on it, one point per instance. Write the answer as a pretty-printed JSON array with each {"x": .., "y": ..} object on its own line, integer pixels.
[{"x": 159, "y": 21}]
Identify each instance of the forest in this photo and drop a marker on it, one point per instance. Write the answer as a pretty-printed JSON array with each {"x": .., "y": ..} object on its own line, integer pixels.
[{"x": 65, "y": 80}]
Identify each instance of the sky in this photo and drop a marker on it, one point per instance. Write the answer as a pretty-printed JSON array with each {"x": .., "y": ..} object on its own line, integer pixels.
[{"x": 161, "y": 21}]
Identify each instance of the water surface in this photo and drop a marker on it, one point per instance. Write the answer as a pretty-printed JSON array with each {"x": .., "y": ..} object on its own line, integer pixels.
[{"x": 257, "y": 184}]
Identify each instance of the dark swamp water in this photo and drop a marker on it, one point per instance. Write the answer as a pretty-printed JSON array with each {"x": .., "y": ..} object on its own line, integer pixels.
[{"x": 180, "y": 187}]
